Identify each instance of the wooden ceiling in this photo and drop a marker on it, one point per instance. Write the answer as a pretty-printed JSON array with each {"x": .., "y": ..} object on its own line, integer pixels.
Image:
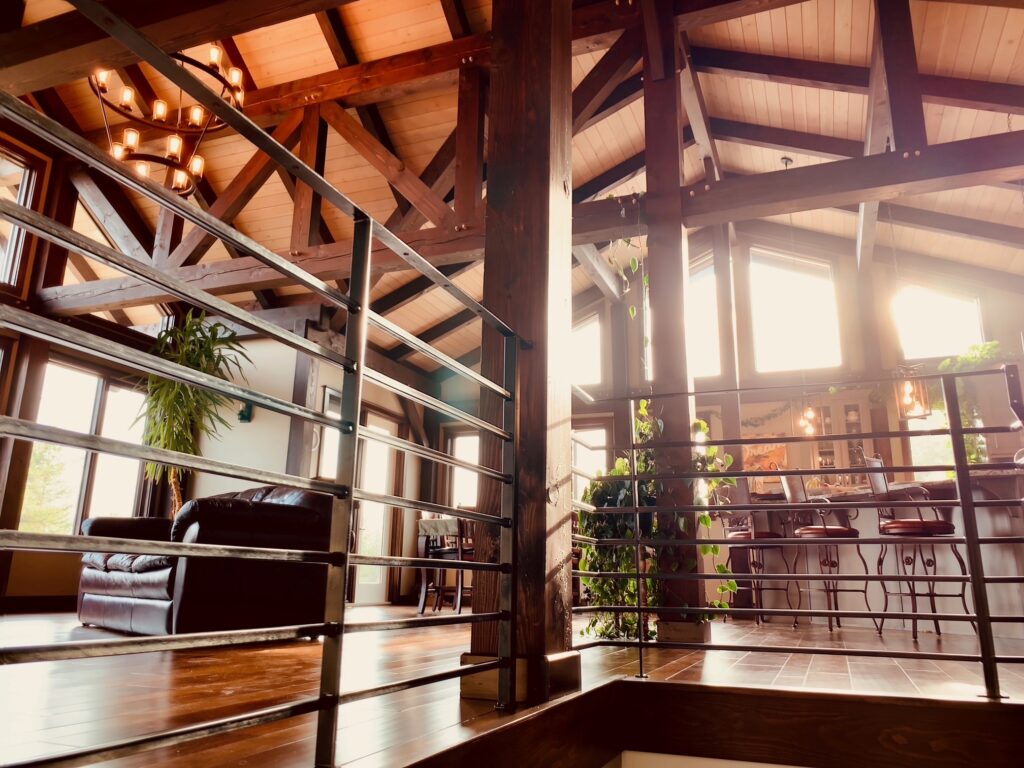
[{"x": 792, "y": 80}]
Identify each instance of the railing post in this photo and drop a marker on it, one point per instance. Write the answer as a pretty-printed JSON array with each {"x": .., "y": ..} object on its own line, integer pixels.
[
  {"x": 1013, "y": 390},
  {"x": 974, "y": 558},
  {"x": 641, "y": 583},
  {"x": 341, "y": 515},
  {"x": 508, "y": 536}
]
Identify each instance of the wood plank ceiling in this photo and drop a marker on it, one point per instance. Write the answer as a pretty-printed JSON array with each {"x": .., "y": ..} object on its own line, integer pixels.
[{"x": 954, "y": 40}]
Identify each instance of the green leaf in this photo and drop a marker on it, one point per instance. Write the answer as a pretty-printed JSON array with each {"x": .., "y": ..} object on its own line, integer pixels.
[
  {"x": 632, "y": 312},
  {"x": 634, "y": 264},
  {"x": 721, "y": 568},
  {"x": 647, "y": 281}
]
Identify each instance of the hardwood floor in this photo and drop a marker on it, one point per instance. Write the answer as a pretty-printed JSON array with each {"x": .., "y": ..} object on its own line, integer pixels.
[{"x": 47, "y": 708}]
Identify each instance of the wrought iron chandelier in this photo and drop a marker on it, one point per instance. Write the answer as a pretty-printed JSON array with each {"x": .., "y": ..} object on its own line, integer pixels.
[{"x": 184, "y": 127}]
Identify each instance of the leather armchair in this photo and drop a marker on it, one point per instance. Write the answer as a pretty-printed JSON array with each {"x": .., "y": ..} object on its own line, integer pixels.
[{"x": 157, "y": 594}]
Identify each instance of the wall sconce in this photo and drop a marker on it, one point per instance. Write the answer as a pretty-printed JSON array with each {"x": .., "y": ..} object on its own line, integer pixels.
[
  {"x": 245, "y": 414},
  {"x": 912, "y": 400}
]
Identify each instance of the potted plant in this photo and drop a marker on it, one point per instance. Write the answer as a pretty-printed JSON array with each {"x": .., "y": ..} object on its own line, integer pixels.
[{"x": 177, "y": 414}]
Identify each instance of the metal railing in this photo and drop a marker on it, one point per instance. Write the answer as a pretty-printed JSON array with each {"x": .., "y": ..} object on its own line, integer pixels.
[
  {"x": 961, "y": 470},
  {"x": 337, "y": 557}
]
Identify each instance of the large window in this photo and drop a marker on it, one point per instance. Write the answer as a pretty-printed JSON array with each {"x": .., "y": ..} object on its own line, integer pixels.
[
  {"x": 67, "y": 484},
  {"x": 935, "y": 324},
  {"x": 15, "y": 186},
  {"x": 703, "y": 353},
  {"x": 795, "y": 314},
  {"x": 587, "y": 352},
  {"x": 590, "y": 455},
  {"x": 465, "y": 482}
]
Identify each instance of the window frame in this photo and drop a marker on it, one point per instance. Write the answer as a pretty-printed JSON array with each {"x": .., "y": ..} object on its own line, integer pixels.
[
  {"x": 105, "y": 380},
  {"x": 935, "y": 286},
  {"x": 595, "y": 313},
  {"x": 31, "y": 195}
]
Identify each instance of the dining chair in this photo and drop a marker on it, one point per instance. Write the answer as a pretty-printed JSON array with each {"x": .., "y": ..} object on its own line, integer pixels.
[
  {"x": 913, "y": 558},
  {"x": 739, "y": 528},
  {"x": 806, "y": 509}
]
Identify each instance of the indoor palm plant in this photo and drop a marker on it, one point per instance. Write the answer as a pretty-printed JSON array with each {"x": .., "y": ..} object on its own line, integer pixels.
[{"x": 178, "y": 414}]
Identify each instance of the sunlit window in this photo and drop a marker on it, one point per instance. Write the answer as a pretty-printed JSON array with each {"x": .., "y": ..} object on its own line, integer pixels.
[
  {"x": 590, "y": 455},
  {"x": 586, "y": 352},
  {"x": 15, "y": 186},
  {"x": 465, "y": 482},
  {"x": 795, "y": 314},
  {"x": 935, "y": 324},
  {"x": 66, "y": 483},
  {"x": 327, "y": 462},
  {"x": 703, "y": 354}
]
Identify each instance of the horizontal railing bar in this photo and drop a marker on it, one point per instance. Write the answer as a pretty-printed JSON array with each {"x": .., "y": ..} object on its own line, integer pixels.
[
  {"x": 427, "y": 621},
  {"x": 90, "y": 649},
  {"x": 1004, "y": 579},
  {"x": 416, "y": 682},
  {"x": 31, "y": 431},
  {"x": 430, "y": 454},
  {"x": 43, "y": 328},
  {"x": 812, "y": 650},
  {"x": 435, "y": 354},
  {"x": 767, "y": 543},
  {"x": 816, "y": 438},
  {"x": 66, "y": 237},
  {"x": 89, "y": 153},
  {"x": 694, "y": 475},
  {"x": 433, "y": 403},
  {"x": 1009, "y": 659},
  {"x": 798, "y": 506},
  {"x": 427, "y": 506},
  {"x": 174, "y": 736},
  {"x": 423, "y": 562},
  {"x": 772, "y": 576},
  {"x": 804, "y": 387},
  {"x": 823, "y": 613},
  {"x": 55, "y": 542}
]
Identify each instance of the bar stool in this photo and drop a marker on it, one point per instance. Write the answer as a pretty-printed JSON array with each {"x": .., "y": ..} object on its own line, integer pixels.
[
  {"x": 463, "y": 550},
  {"x": 911, "y": 557},
  {"x": 740, "y": 528},
  {"x": 828, "y": 554}
]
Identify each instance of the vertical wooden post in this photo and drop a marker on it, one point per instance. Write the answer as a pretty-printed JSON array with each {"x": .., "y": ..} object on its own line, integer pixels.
[
  {"x": 667, "y": 265},
  {"x": 527, "y": 282},
  {"x": 469, "y": 146}
]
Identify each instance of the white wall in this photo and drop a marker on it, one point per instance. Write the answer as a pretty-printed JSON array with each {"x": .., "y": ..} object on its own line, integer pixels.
[{"x": 263, "y": 443}]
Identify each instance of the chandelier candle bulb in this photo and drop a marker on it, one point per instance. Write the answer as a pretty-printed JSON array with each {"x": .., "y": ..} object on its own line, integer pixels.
[
  {"x": 103, "y": 80},
  {"x": 160, "y": 110},
  {"x": 196, "y": 166},
  {"x": 216, "y": 53},
  {"x": 174, "y": 144},
  {"x": 127, "y": 97},
  {"x": 196, "y": 115},
  {"x": 142, "y": 169},
  {"x": 235, "y": 77},
  {"x": 117, "y": 150},
  {"x": 130, "y": 139},
  {"x": 180, "y": 180}
]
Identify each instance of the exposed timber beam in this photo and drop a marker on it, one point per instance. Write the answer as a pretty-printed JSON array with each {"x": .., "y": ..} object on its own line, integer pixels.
[
  {"x": 606, "y": 277},
  {"x": 605, "y": 182},
  {"x": 947, "y": 224},
  {"x": 935, "y": 89},
  {"x": 415, "y": 288},
  {"x": 596, "y": 221},
  {"x": 600, "y": 82},
  {"x": 333, "y": 27},
  {"x": 434, "y": 333},
  {"x": 114, "y": 214},
  {"x": 306, "y": 211},
  {"x": 439, "y": 176},
  {"x": 785, "y": 140},
  {"x": 239, "y": 192},
  {"x": 470, "y": 136},
  {"x": 63, "y": 48},
  {"x": 697, "y": 112},
  {"x": 456, "y": 17},
  {"x": 11, "y": 14},
  {"x": 625, "y": 93},
  {"x": 965, "y": 163},
  {"x": 394, "y": 170}
]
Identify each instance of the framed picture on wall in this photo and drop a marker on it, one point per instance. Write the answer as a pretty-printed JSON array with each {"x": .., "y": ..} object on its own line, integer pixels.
[{"x": 764, "y": 456}]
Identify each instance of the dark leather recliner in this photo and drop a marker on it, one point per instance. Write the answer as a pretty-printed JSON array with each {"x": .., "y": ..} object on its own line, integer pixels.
[{"x": 157, "y": 594}]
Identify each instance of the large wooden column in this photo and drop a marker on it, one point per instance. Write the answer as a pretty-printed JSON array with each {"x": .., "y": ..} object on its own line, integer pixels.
[
  {"x": 527, "y": 282},
  {"x": 667, "y": 266}
]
